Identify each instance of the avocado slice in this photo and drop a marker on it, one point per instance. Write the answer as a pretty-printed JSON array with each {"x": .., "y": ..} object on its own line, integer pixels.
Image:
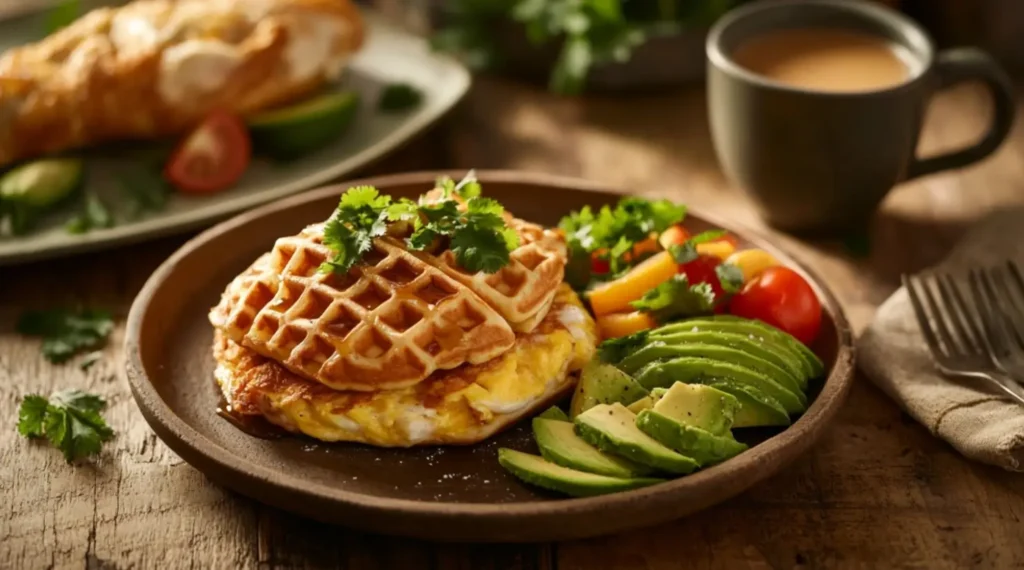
[
  {"x": 812, "y": 365},
  {"x": 696, "y": 370},
  {"x": 705, "y": 448},
  {"x": 41, "y": 183},
  {"x": 612, "y": 428},
  {"x": 660, "y": 351},
  {"x": 699, "y": 406},
  {"x": 778, "y": 353},
  {"x": 554, "y": 413},
  {"x": 647, "y": 402},
  {"x": 559, "y": 444},
  {"x": 602, "y": 383},
  {"x": 27, "y": 191},
  {"x": 756, "y": 407},
  {"x": 542, "y": 473},
  {"x": 294, "y": 131}
]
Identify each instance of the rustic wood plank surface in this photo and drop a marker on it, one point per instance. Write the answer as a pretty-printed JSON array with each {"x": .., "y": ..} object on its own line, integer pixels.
[{"x": 877, "y": 492}]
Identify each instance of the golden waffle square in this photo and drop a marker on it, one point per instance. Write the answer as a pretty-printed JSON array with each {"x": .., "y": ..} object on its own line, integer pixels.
[
  {"x": 389, "y": 323},
  {"x": 522, "y": 290}
]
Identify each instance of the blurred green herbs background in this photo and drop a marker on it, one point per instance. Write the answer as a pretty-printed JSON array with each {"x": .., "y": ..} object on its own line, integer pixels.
[{"x": 587, "y": 32}]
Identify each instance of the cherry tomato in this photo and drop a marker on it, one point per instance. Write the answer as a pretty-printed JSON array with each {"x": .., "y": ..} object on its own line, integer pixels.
[
  {"x": 702, "y": 270},
  {"x": 675, "y": 235},
  {"x": 780, "y": 297},
  {"x": 213, "y": 157},
  {"x": 599, "y": 264}
]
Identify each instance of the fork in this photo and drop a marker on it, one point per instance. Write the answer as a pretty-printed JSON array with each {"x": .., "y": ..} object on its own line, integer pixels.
[
  {"x": 999, "y": 294},
  {"x": 951, "y": 331}
]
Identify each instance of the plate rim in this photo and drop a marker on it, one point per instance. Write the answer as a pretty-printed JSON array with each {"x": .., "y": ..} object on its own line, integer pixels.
[
  {"x": 252, "y": 478},
  {"x": 178, "y": 222}
]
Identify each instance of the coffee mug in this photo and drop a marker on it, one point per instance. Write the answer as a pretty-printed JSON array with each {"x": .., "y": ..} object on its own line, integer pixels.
[{"x": 817, "y": 160}]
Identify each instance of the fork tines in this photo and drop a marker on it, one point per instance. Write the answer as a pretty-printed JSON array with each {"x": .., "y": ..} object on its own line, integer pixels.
[{"x": 980, "y": 337}]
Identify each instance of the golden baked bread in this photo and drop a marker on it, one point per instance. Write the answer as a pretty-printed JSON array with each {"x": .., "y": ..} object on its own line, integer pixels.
[{"x": 157, "y": 67}]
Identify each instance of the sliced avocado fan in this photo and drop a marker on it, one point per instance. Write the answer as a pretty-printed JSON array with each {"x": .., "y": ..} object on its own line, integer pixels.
[{"x": 542, "y": 473}]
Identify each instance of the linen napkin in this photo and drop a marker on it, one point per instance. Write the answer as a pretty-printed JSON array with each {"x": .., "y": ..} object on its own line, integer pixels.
[{"x": 975, "y": 419}]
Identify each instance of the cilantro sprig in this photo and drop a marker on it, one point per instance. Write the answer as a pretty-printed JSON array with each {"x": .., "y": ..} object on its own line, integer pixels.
[
  {"x": 66, "y": 333},
  {"x": 474, "y": 226},
  {"x": 70, "y": 420},
  {"x": 614, "y": 231},
  {"x": 677, "y": 298},
  {"x": 361, "y": 216}
]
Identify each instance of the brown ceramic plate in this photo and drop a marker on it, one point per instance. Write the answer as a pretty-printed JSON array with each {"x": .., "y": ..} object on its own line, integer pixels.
[{"x": 452, "y": 493}]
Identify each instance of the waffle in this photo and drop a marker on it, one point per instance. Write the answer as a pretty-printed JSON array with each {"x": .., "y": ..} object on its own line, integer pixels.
[
  {"x": 156, "y": 68},
  {"x": 521, "y": 291},
  {"x": 460, "y": 406},
  {"x": 389, "y": 323}
]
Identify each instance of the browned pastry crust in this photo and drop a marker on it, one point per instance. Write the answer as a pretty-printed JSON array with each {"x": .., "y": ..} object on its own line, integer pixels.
[{"x": 105, "y": 77}]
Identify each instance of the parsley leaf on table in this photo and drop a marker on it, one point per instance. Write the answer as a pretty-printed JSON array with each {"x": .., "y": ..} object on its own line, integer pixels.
[
  {"x": 66, "y": 333},
  {"x": 676, "y": 298},
  {"x": 399, "y": 97},
  {"x": 70, "y": 420}
]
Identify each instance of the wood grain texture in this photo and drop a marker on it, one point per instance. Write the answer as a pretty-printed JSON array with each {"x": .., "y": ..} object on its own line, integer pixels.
[{"x": 877, "y": 492}]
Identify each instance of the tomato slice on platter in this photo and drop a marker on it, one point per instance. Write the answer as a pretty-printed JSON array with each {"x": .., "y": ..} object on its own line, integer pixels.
[
  {"x": 212, "y": 157},
  {"x": 782, "y": 298}
]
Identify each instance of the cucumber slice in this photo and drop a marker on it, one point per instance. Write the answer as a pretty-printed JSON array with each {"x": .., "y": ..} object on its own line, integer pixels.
[{"x": 294, "y": 131}]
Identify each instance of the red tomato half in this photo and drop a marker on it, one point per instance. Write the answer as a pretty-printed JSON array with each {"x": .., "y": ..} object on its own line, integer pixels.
[
  {"x": 213, "y": 157},
  {"x": 599, "y": 265},
  {"x": 780, "y": 297},
  {"x": 702, "y": 270}
]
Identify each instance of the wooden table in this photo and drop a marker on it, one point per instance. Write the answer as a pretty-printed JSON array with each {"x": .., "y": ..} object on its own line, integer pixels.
[{"x": 878, "y": 491}]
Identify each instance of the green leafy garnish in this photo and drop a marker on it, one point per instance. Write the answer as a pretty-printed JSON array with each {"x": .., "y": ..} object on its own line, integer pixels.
[
  {"x": 730, "y": 276},
  {"x": 94, "y": 215},
  {"x": 69, "y": 420},
  {"x": 468, "y": 187},
  {"x": 687, "y": 251},
  {"x": 615, "y": 231},
  {"x": 361, "y": 216},
  {"x": 143, "y": 189},
  {"x": 66, "y": 333},
  {"x": 477, "y": 233},
  {"x": 62, "y": 15},
  {"x": 614, "y": 350},
  {"x": 704, "y": 237},
  {"x": 399, "y": 97},
  {"x": 590, "y": 33},
  {"x": 677, "y": 298}
]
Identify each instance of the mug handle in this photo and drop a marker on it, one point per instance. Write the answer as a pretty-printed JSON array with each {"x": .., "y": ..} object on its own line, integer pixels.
[{"x": 971, "y": 64}]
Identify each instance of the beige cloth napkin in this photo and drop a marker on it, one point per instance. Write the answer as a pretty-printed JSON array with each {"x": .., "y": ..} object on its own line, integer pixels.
[{"x": 973, "y": 418}]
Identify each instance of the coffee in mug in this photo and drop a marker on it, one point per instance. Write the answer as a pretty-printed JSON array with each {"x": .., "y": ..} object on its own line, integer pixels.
[
  {"x": 825, "y": 59},
  {"x": 816, "y": 106}
]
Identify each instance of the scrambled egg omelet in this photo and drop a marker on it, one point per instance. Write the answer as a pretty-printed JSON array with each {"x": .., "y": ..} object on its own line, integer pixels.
[{"x": 460, "y": 406}]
